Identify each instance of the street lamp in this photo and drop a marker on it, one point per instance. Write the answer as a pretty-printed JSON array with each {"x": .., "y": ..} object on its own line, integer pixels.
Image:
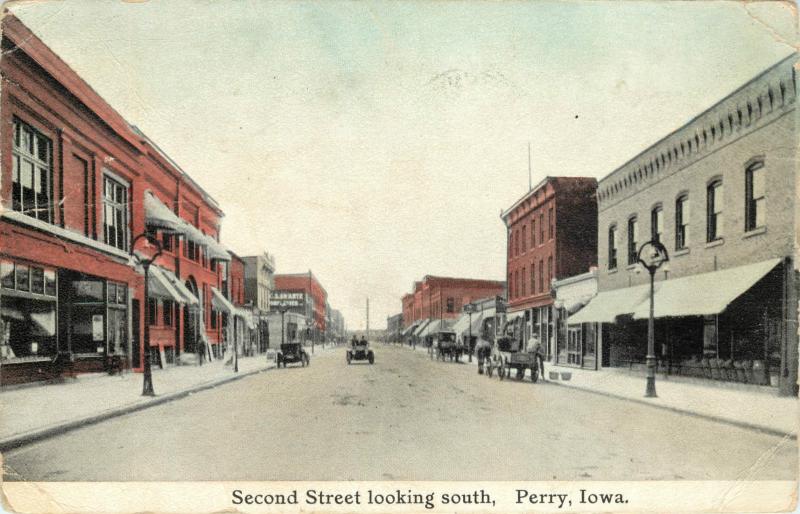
[
  {"x": 147, "y": 386},
  {"x": 282, "y": 309},
  {"x": 468, "y": 309},
  {"x": 652, "y": 255}
]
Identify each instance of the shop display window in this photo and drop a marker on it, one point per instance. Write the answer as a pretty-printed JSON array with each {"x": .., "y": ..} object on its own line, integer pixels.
[{"x": 28, "y": 328}]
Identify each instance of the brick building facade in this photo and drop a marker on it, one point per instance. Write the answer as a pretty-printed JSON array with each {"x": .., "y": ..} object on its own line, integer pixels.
[
  {"x": 78, "y": 185},
  {"x": 720, "y": 193},
  {"x": 551, "y": 235},
  {"x": 444, "y": 297},
  {"x": 311, "y": 299}
]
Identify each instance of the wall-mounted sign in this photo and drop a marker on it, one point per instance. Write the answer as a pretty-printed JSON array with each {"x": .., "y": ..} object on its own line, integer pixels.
[
  {"x": 97, "y": 328},
  {"x": 287, "y": 299}
]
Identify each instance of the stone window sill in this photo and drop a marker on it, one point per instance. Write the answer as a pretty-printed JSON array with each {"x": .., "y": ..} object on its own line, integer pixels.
[
  {"x": 755, "y": 232},
  {"x": 612, "y": 271},
  {"x": 682, "y": 251},
  {"x": 716, "y": 242}
]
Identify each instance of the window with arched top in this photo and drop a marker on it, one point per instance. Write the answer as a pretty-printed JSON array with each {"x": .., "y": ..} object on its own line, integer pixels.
[
  {"x": 612, "y": 247},
  {"x": 714, "y": 203},
  {"x": 755, "y": 196},
  {"x": 633, "y": 239},
  {"x": 682, "y": 222},
  {"x": 657, "y": 223}
]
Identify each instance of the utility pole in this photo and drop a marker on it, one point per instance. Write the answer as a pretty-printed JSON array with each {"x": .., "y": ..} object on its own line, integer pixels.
[
  {"x": 530, "y": 177},
  {"x": 367, "y": 318}
]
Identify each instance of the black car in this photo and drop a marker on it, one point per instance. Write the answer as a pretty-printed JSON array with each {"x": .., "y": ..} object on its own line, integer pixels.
[{"x": 291, "y": 353}]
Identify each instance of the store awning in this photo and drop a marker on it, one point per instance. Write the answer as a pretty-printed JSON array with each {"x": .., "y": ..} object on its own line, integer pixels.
[
  {"x": 477, "y": 320},
  {"x": 462, "y": 325},
  {"x": 215, "y": 250},
  {"x": 159, "y": 216},
  {"x": 607, "y": 305},
  {"x": 574, "y": 304},
  {"x": 435, "y": 326},
  {"x": 421, "y": 327},
  {"x": 159, "y": 286},
  {"x": 247, "y": 316},
  {"x": 221, "y": 303},
  {"x": 188, "y": 297},
  {"x": 704, "y": 294},
  {"x": 409, "y": 329}
]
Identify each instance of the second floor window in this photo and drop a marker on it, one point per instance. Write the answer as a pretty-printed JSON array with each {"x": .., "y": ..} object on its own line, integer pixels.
[
  {"x": 682, "y": 222},
  {"x": 533, "y": 279},
  {"x": 657, "y": 224},
  {"x": 115, "y": 213},
  {"x": 451, "y": 305},
  {"x": 633, "y": 240},
  {"x": 541, "y": 275},
  {"x": 541, "y": 228},
  {"x": 612, "y": 247},
  {"x": 755, "y": 197},
  {"x": 533, "y": 233},
  {"x": 551, "y": 228},
  {"x": 714, "y": 211},
  {"x": 32, "y": 187},
  {"x": 524, "y": 273}
]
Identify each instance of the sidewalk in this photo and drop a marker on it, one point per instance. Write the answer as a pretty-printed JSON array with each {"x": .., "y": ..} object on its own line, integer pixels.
[
  {"x": 755, "y": 408},
  {"x": 37, "y": 412}
]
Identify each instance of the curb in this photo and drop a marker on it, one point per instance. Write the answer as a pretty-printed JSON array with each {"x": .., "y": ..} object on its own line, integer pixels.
[
  {"x": 739, "y": 424},
  {"x": 18, "y": 441}
]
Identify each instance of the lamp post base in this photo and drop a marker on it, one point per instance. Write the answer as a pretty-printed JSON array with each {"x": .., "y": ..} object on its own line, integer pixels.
[{"x": 650, "y": 391}]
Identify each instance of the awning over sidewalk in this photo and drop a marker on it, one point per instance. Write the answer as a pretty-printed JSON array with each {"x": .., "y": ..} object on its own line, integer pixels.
[
  {"x": 462, "y": 325},
  {"x": 512, "y": 316},
  {"x": 409, "y": 329},
  {"x": 435, "y": 326},
  {"x": 219, "y": 301},
  {"x": 607, "y": 305},
  {"x": 215, "y": 250},
  {"x": 704, "y": 294},
  {"x": 189, "y": 298},
  {"x": 695, "y": 295},
  {"x": 159, "y": 286},
  {"x": 421, "y": 327},
  {"x": 159, "y": 216}
]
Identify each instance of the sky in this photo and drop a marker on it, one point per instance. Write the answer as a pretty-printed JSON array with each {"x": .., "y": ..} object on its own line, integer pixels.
[{"x": 375, "y": 143}]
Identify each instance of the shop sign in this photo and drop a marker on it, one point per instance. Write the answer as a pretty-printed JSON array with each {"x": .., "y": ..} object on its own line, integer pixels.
[
  {"x": 97, "y": 327},
  {"x": 287, "y": 299}
]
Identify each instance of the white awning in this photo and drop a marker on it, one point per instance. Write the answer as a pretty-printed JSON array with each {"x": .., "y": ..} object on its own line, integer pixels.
[
  {"x": 247, "y": 316},
  {"x": 159, "y": 216},
  {"x": 221, "y": 303},
  {"x": 421, "y": 327},
  {"x": 159, "y": 286},
  {"x": 704, "y": 294},
  {"x": 435, "y": 326},
  {"x": 462, "y": 325},
  {"x": 188, "y": 297},
  {"x": 607, "y": 305},
  {"x": 215, "y": 250}
]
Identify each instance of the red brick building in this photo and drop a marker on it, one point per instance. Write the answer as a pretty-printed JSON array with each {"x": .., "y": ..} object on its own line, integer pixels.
[
  {"x": 303, "y": 293},
  {"x": 443, "y": 297},
  {"x": 78, "y": 185},
  {"x": 552, "y": 234}
]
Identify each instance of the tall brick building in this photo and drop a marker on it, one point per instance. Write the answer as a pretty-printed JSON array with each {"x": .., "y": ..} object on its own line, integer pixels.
[
  {"x": 720, "y": 193},
  {"x": 304, "y": 294},
  {"x": 79, "y": 184},
  {"x": 551, "y": 235},
  {"x": 443, "y": 297}
]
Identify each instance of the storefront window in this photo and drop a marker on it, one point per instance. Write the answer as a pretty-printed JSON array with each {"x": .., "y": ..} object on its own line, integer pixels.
[
  {"x": 23, "y": 277},
  {"x": 28, "y": 328},
  {"x": 87, "y": 291},
  {"x": 7, "y": 274},
  {"x": 37, "y": 280}
]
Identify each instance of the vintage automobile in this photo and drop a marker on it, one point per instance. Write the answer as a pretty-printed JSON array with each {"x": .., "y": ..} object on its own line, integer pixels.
[
  {"x": 445, "y": 346},
  {"x": 291, "y": 353},
  {"x": 360, "y": 351}
]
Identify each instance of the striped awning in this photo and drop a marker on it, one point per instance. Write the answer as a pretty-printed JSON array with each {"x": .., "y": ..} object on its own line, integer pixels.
[{"x": 159, "y": 216}]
